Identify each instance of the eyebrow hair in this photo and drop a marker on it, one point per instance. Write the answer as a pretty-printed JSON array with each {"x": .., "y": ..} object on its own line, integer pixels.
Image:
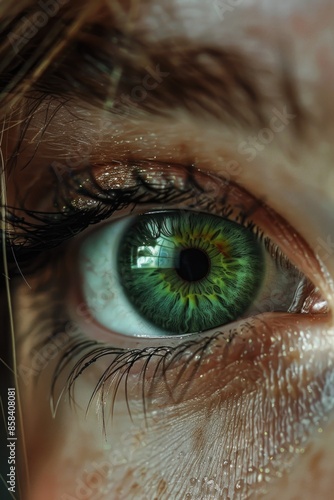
[{"x": 120, "y": 70}]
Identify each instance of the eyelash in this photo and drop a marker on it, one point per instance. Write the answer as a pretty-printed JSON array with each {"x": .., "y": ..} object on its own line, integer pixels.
[
  {"x": 29, "y": 244},
  {"x": 120, "y": 367},
  {"x": 187, "y": 354},
  {"x": 29, "y": 239}
]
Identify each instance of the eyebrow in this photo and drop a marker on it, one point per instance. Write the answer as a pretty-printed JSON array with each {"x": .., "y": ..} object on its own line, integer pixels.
[{"x": 132, "y": 77}]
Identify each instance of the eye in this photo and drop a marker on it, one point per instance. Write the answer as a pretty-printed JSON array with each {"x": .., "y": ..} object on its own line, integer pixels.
[{"x": 177, "y": 272}]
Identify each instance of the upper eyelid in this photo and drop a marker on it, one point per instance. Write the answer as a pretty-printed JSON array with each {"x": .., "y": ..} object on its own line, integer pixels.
[
  {"x": 30, "y": 232},
  {"x": 32, "y": 240},
  {"x": 75, "y": 191}
]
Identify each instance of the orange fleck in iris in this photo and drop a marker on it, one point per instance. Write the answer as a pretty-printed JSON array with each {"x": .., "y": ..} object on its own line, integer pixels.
[{"x": 223, "y": 248}]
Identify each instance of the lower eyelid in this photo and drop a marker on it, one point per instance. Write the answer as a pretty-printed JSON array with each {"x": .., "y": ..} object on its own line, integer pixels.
[
  {"x": 229, "y": 362},
  {"x": 261, "y": 341}
]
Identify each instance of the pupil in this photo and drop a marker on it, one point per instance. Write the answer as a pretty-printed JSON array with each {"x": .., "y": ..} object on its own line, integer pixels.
[{"x": 193, "y": 265}]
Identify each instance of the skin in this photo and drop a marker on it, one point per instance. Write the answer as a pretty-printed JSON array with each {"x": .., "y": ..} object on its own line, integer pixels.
[{"x": 255, "y": 421}]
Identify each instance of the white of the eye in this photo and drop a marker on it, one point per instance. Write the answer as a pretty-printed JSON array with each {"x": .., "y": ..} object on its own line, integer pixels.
[{"x": 101, "y": 287}]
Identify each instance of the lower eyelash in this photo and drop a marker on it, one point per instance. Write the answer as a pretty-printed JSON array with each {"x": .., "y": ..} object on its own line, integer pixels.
[
  {"x": 157, "y": 361},
  {"x": 151, "y": 365},
  {"x": 122, "y": 365}
]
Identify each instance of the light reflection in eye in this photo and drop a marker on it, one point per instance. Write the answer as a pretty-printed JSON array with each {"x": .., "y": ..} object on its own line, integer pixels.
[{"x": 180, "y": 272}]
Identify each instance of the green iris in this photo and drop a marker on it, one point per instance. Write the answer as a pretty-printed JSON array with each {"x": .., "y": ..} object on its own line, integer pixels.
[{"x": 187, "y": 271}]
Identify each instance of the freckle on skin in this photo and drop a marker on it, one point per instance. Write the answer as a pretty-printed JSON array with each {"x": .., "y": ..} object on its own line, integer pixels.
[
  {"x": 314, "y": 465},
  {"x": 135, "y": 488}
]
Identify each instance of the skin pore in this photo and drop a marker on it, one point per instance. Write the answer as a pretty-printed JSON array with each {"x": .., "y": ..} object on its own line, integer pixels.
[{"x": 251, "y": 417}]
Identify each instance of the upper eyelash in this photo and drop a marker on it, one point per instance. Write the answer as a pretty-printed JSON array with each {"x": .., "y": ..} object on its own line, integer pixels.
[{"x": 27, "y": 239}]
